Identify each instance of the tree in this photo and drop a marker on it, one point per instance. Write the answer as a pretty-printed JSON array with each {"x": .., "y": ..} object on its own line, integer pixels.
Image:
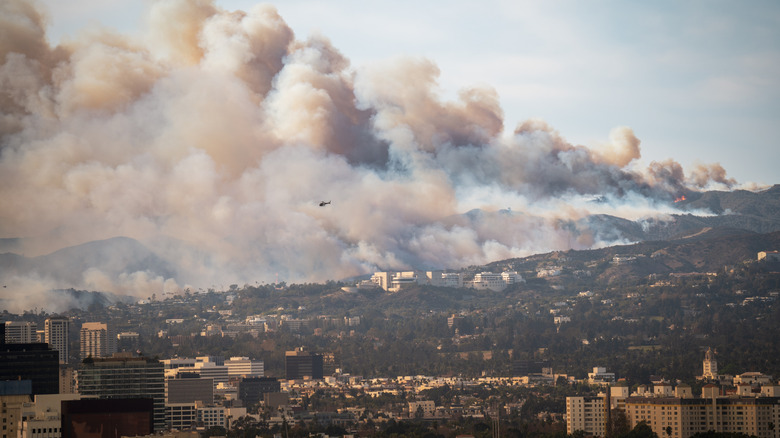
[
  {"x": 641, "y": 430},
  {"x": 618, "y": 424}
]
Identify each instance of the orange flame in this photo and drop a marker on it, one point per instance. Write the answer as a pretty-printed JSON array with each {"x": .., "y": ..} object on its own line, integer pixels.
[{"x": 681, "y": 198}]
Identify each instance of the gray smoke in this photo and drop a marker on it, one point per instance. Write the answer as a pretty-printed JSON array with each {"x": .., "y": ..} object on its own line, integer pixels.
[{"x": 213, "y": 136}]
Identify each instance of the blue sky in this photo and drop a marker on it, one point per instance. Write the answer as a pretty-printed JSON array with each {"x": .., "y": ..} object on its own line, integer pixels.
[{"x": 696, "y": 81}]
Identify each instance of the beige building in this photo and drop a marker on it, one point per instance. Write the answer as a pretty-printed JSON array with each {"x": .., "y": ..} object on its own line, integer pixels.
[
  {"x": 676, "y": 417},
  {"x": 20, "y": 332},
  {"x": 428, "y": 408},
  {"x": 710, "y": 365},
  {"x": 97, "y": 340},
  {"x": 681, "y": 415},
  {"x": 42, "y": 417},
  {"x": 587, "y": 414},
  {"x": 753, "y": 378},
  {"x": 11, "y": 408},
  {"x": 56, "y": 329}
]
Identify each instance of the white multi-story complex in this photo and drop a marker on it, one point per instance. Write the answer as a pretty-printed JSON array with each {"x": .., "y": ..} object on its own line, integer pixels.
[
  {"x": 600, "y": 376},
  {"x": 496, "y": 282},
  {"x": 205, "y": 366},
  {"x": 20, "y": 332},
  {"x": 395, "y": 281},
  {"x": 56, "y": 330},
  {"x": 488, "y": 280},
  {"x": 548, "y": 272},
  {"x": 351, "y": 321},
  {"x": 443, "y": 279},
  {"x": 97, "y": 340},
  {"x": 243, "y": 366}
]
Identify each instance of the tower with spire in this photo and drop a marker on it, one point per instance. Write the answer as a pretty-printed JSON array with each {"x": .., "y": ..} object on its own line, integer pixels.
[{"x": 710, "y": 365}]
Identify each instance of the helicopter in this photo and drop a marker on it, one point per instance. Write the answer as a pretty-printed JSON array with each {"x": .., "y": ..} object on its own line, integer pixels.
[{"x": 323, "y": 203}]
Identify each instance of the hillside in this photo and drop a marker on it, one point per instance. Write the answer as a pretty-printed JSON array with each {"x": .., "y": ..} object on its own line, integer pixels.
[
  {"x": 712, "y": 229},
  {"x": 112, "y": 257},
  {"x": 709, "y": 250}
]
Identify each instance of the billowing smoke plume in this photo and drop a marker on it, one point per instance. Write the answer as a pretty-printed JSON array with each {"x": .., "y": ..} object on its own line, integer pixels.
[{"x": 213, "y": 137}]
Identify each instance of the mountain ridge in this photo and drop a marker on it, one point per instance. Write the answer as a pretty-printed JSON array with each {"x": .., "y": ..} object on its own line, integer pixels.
[{"x": 748, "y": 222}]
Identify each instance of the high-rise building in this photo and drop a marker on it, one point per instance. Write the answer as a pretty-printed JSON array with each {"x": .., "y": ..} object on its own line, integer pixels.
[
  {"x": 300, "y": 364},
  {"x": 587, "y": 414},
  {"x": 56, "y": 331},
  {"x": 20, "y": 332},
  {"x": 97, "y": 340},
  {"x": 122, "y": 377},
  {"x": 35, "y": 362}
]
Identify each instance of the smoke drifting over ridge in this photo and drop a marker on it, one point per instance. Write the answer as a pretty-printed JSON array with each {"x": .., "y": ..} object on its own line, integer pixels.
[{"x": 212, "y": 138}]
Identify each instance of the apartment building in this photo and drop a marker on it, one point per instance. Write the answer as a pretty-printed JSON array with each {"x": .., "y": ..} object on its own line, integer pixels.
[
  {"x": 56, "y": 332},
  {"x": 96, "y": 339},
  {"x": 21, "y": 332},
  {"x": 675, "y": 417},
  {"x": 425, "y": 407},
  {"x": 586, "y": 413},
  {"x": 676, "y": 413}
]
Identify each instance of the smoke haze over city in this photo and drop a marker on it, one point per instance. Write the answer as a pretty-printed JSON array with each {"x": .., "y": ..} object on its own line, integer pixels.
[{"x": 213, "y": 136}]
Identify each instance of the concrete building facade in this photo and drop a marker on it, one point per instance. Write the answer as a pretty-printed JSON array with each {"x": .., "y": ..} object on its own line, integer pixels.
[
  {"x": 394, "y": 281},
  {"x": 97, "y": 340},
  {"x": 21, "y": 332},
  {"x": 587, "y": 414},
  {"x": 675, "y": 417},
  {"x": 56, "y": 333}
]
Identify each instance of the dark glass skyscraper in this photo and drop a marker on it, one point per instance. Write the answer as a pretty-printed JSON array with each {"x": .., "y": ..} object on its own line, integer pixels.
[
  {"x": 299, "y": 364},
  {"x": 35, "y": 362}
]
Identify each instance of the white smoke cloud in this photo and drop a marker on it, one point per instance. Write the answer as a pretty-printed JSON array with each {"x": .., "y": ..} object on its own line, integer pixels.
[{"x": 212, "y": 138}]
